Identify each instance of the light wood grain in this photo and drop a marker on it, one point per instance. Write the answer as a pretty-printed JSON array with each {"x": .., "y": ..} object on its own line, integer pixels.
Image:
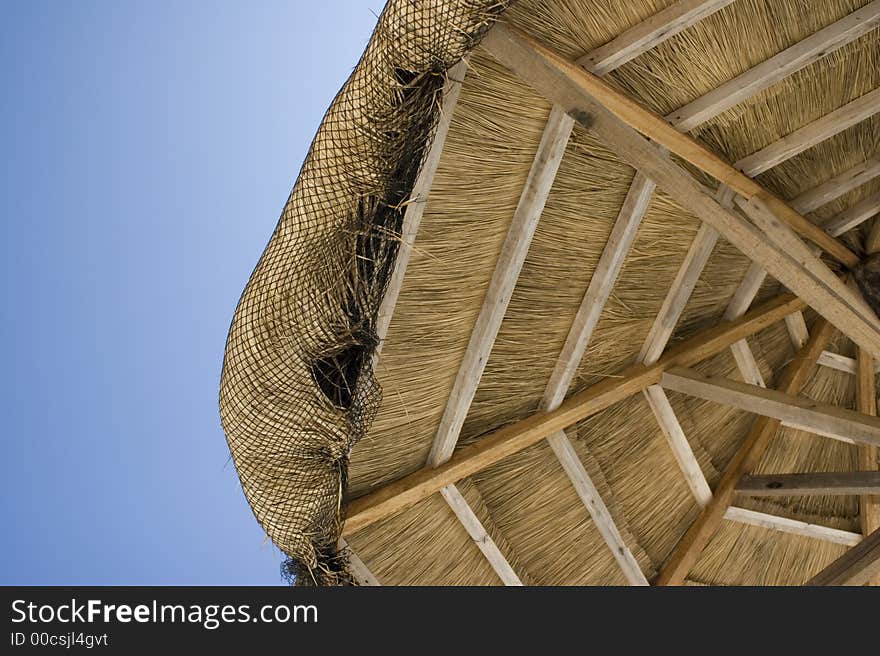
[
  {"x": 811, "y": 134},
  {"x": 795, "y": 411},
  {"x": 510, "y": 262},
  {"x": 837, "y": 186},
  {"x": 584, "y": 94},
  {"x": 855, "y": 215},
  {"x": 479, "y": 535},
  {"x": 649, "y": 34},
  {"x": 415, "y": 209},
  {"x": 793, "y": 526}
]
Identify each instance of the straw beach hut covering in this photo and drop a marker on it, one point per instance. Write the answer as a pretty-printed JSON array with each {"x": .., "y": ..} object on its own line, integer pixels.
[{"x": 576, "y": 292}]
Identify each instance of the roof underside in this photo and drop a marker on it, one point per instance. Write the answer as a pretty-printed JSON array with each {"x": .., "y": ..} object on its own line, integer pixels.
[{"x": 526, "y": 502}]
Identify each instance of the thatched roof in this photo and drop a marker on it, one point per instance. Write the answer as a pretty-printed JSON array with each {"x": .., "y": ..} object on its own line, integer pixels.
[{"x": 291, "y": 422}]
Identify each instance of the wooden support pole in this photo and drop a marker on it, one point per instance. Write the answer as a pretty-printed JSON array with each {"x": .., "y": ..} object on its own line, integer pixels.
[
  {"x": 506, "y": 441},
  {"x": 688, "y": 550}
]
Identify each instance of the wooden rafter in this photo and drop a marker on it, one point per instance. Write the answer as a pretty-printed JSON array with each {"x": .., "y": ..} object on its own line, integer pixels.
[
  {"x": 808, "y": 484},
  {"x": 480, "y": 535},
  {"x": 796, "y": 412},
  {"x": 855, "y": 215},
  {"x": 648, "y": 34},
  {"x": 811, "y": 134},
  {"x": 793, "y": 526},
  {"x": 362, "y": 574},
  {"x": 837, "y": 186},
  {"x": 856, "y": 567},
  {"x": 504, "y": 277},
  {"x": 520, "y": 435},
  {"x": 776, "y": 68},
  {"x": 688, "y": 550},
  {"x": 415, "y": 209}
]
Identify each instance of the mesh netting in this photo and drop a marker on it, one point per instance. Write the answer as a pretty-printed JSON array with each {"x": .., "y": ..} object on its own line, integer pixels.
[{"x": 297, "y": 388}]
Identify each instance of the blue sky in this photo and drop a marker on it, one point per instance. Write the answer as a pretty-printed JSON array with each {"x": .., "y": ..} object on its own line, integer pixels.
[{"x": 148, "y": 148}]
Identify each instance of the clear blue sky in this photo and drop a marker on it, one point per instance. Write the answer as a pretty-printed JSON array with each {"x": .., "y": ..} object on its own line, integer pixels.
[{"x": 147, "y": 150}]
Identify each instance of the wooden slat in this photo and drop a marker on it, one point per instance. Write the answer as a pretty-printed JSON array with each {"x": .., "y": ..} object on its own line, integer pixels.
[
  {"x": 776, "y": 68},
  {"x": 515, "y": 437},
  {"x": 479, "y": 535},
  {"x": 510, "y": 262},
  {"x": 795, "y": 411},
  {"x": 837, "y": 186},
  {"x": 649, "y": 33},
  {"x": 680, "y": 291},
  {"x": 599, "y": 512},
  {"x": 688, "y": 550},
  {"x": 856, "y": 567},
  {"x": 681, "y": 449},
  {"x": 412, "y": 218},
  {"x": 604, "y": 276},
  {"x": 585, "y": 95},
  {"x": 793, "y": 526},
  {"x": 811, "y": 134},
  {"x": 855, "y": 215},
  {"x": 808, "y": 484}
]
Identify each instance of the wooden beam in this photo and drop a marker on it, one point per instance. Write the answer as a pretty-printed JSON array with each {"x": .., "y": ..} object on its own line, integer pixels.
[
  {"x": 855, "y": 215},
  {"x": 415, "y": 209},
  {"x": 797, "y": 412},
  {"x": 681, "y": 448},
  {"x": 479, "y": 535},
  {"x": 553, "y": 77},
  {"x": 588, "y": 98},
  {"x": 811, "y": 134},
  {"x": 680, "y": 291},
  {"x": 837, "y": 186},
  {"x": 515, "y": 437},
  {"x": 510, "y": 262},
  {"x": 817, "y": 483},
  {"x": 776, "y": 68},
  {"x": 688, "y": 550},
  {"x": 856, "y": 567},
  {"x": 592, "y": 500},
  {"x": 793, "y": 526},
  {"x": 649, "y": 34},
  {"x": 604, "y": 276}
]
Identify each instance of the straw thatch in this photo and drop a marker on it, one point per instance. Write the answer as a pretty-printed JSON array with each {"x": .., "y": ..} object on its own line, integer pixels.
[{"x": 526, "y": 502}]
